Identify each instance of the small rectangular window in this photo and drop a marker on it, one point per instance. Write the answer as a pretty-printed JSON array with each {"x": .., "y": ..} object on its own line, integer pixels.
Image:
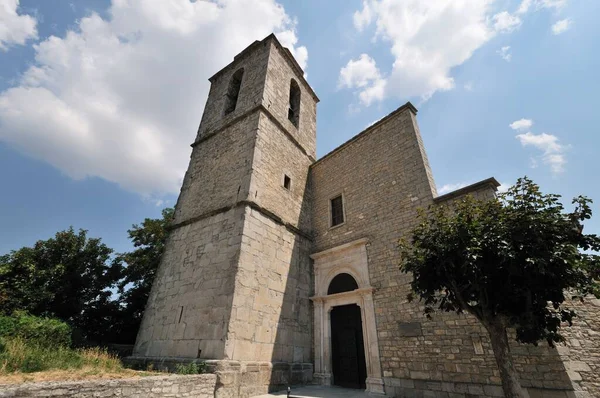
[
  {"x": 287, "y": 182},
  {"x": 337, "y": 211}
]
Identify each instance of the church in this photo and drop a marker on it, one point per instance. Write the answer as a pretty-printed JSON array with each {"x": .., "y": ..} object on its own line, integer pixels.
[{"x": 283, "y": 269}]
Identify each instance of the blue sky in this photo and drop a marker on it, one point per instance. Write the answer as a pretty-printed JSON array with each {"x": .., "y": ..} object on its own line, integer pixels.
[{"x": 100, "y": 100}]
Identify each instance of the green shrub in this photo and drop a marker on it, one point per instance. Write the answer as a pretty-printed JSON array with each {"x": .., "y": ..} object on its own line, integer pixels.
[
  {"x": 35, "y": 330},
  {"x": 190, "y": 368},
  {"x": 18, "y": 355}
]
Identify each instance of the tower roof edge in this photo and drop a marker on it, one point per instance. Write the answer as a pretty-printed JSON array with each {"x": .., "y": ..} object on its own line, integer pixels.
[
  {"x": 407, "y": 106},
  {"x": 286, "y": 54}
]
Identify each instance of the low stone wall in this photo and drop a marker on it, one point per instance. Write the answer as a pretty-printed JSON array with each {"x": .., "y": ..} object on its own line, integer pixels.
[
  {"x": 238, "y": 379},
  {"x": 197, "y": 386}
]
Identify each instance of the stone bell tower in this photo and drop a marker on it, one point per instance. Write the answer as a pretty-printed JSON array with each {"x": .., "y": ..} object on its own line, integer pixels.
[{"x": 234, "y": 282}]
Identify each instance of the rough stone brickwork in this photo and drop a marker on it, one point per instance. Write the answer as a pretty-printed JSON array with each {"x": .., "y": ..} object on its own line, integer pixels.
[
  {"x": 275, "y": 157},
  {"x": 197, "y": 386},
  {"x": 236, "y": 281},
  {"x": 581, "y": 353},
  {"x": 190, "y": 303},
  {"x": 271, "y": 318},
  {"x": 278, "y": 72},
  {"x": 220, "y": 171},
  {"x": 254, "y": 61},
  {"x": 449, "y": 354}
]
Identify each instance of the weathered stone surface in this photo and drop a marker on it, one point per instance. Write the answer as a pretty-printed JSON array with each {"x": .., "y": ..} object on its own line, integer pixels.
[
  {"x": 235, "y": 280},
  {"x": 197, "y": 386}
]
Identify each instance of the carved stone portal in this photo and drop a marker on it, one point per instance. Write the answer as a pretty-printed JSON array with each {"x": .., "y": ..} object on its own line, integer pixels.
[{"x": 350, "y": 258}]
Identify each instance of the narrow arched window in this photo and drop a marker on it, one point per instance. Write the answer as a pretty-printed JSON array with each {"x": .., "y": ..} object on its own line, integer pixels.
[
  {"x": 294, "y": 107},
  {"x": 233, "y": 91}
]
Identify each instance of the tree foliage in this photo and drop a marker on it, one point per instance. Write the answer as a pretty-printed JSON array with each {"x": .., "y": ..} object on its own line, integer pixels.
[
  {"x": 511, "y": 263},
  {"x": 78, "y": 280},
  {"x": 68, "y": 277},
  {"x": 141, "y": 265},
  {"x": 35, "y": 330}
]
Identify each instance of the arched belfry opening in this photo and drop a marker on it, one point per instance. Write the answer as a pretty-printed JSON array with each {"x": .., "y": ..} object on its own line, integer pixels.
[
  {"x": 294, "y": 105},
  {"x": 342, "y": 283},
  {"x": 233, "y": 91}
]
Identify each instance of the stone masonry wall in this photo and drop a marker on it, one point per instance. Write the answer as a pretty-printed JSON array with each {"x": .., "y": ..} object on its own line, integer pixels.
[
  {"x": 274, "y": 157},
  {"x": 190, "y": 303},
  {"x": 271, "y": 319},
  {"x": 581, "y": 351},
  {"x": 219, "y": 171},
  {"x": 254, "y": 63},
  {"x": 197, "y": 386},
  {"x": 384, "y": 178},
  {"x": 276, "y": 100}
]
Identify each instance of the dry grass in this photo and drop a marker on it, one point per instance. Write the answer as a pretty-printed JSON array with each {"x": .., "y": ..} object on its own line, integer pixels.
[
  {"x": 21, "y": 362},
  {"x": 85, "y": 373}
]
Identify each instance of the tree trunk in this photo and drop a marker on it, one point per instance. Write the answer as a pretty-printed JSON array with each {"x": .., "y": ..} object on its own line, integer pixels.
[{"x": 510, "y": 379}]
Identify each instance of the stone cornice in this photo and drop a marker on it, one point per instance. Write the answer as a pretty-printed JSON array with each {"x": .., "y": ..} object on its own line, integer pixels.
[
  {"x": 337, "y": 249},
  {"x": 257, "y": 108},
  {"x": 253, "y": 205},
  {"x": 488, "y": 182},
  {"x": 287, "y": 55},
  {"x": 361, "y": 292}
]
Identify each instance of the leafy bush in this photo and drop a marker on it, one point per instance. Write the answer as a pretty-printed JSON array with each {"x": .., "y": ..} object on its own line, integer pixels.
[
  {"x": 190, "y": 368},
  {"x": 17, "y": 355},
  {"x": 35, "y": 330}
]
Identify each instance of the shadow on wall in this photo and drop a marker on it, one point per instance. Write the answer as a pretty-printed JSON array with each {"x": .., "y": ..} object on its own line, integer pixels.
[{"x": 292, "y": 357}]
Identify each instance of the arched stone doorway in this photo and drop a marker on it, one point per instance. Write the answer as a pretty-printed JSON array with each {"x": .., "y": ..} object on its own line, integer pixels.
[
  {"x": 342, "y": 281},
  {"x": 347, "y": 345}
]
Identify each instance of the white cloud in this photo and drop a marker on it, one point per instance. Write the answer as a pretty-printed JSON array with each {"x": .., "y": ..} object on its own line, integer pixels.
[
  {"x": 533, "y": 163},
  {"x": 521, "y": 124},
  {"x": 427, "y": 39},
  {"x": 363, "y": 17},
  {"x": 545, "y": 142},
  {"x": 468, "y": 86},
  {"x": 526, "y": 5},
  {"x": 552, "y": 151},
  {"x": 561, "y": 26},
  {"x": 15, "y": 28},
  {"x": 121, "y": 99},
  {"x": 504, "y": 186},
  {"x": 451, "y": 187},
  {"x": 556, "y": 4},
  {"x": 505, "y": 22},
  {"x": 504, "y": 52},
  {"x": 363, "y": 74}
]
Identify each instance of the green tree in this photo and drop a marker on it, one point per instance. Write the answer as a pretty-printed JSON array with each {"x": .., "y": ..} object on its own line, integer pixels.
[
  {"x": 510, "y": 262},
  {"x": 141, "y": 265},
  {"x": 68, "y": 277}
]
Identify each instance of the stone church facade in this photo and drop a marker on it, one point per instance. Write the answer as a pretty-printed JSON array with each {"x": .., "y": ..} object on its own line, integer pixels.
[{"x": 282, "y": 269}]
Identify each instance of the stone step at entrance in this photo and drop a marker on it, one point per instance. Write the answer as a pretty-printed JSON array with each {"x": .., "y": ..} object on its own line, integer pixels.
[{"x": 319, "y": 392}]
